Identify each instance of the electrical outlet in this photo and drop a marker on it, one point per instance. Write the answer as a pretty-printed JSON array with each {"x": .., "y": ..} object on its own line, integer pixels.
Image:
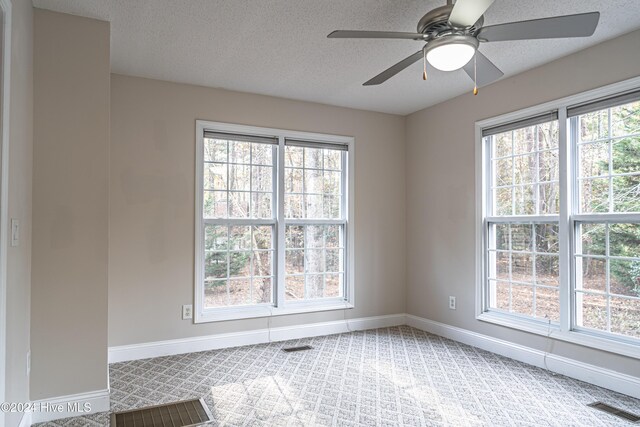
[
  {"x": 28, "y": 362},
  {"x": 187, "y": 312},
  {"x": 452, "y": 303}
]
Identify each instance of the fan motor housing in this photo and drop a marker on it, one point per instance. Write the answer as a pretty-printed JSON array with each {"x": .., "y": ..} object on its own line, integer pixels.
[{"x": 436, "y": 22}]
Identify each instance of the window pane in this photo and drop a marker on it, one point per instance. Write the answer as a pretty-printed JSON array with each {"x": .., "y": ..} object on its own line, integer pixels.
[
  {"x": 240, "y": 152},
  {"x": 314, "y": 286},
  {"x": 625, "y": 316},
  {"x": 502, "y": 236},
  {"x": 594, "y": 195},
  {"x": 294, "y": 260},
  {"x": 624, "y": 240},
  {"x": 504, "y": 171},
  {"x": 239, "y": 291},
  {"x": 215, "y": 204},
  {"x": 215, "y": 293},
  {"x": 594, "y": 159},
  {"x": 525, "y": 169},
  {"x": 593, "y": 126},
  {"x": 261, "y": 177},
  {"x": 215, "y": 150},
  {"x": 293, "y": 157},
  {"x": 525, "y": 200},
  {"x": 524, "y": 140},
  {"x": 294, "y": 287},
  {"x": 625, "y": 119},
  {"x": 293, "y": 180},
  {"x": 215, "y": 265},
  {"x": 332, "y": 160},
  {"x": 522, "y": 299},
  {"x": 503, "y": 199},
  {"x": 592, "y": 311},
  {"x": 215, "y": 237},
  {"x": 503, "y": 145},
  {"x": 591, "y": 274},
  {"x": 522, "y": 268},
  {"x": 548, "y": 304},
  {"x": 502, "y": 292},
  {"x": 503, "y": 266},
  {"x": 521, "y": 237},
  {"x": 333, "y": 285},
  {"x": 262, "y": 263},
  {"x": 548, "y": 270},
  {"x": 548, "y": 135},
  {"x": 626, "y": 193},
  {"x": 549, "y": 198},
  {"x": 261, "y": 154},
  {"x": 215, "y": 176},
  {"x": 262, "y": 290},
  {"x": 592, "y": 239},
  {"x": 625, "y": 277},
  {"x": 239, "y": 204},
  {"x": 261, "y": 205},
  {"x": 239, "y": 264},
  {"x": 547, "y": 239},
  {"x": 313, "y": 158}
]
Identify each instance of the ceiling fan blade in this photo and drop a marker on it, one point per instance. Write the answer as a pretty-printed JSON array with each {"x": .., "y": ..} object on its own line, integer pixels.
[
  {"x": 395, "y": 69},
  {"x": 486, "y": 71},
  {"x": 580, "y": 25},
  {"x": 345, "y": 34},
  {"x": 465, "y": 13}
]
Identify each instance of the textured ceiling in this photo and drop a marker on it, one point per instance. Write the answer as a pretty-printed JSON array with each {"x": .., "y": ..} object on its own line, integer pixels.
[{"x": 279, "y": 47}]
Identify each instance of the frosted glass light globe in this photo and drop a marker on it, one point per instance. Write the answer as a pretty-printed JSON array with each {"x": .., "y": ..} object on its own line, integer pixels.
[{"x": 449, "y": 57}]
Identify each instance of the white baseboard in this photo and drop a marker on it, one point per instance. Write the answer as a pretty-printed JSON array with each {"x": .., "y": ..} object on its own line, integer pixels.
[
  {"x": 69, "y": 406},
  {"x": 258, "y": 336},
  {"x": 606, "y": 378}
]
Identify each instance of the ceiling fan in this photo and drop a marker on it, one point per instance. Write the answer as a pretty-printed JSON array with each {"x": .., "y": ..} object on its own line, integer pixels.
[{"x": 453, "y": 33}]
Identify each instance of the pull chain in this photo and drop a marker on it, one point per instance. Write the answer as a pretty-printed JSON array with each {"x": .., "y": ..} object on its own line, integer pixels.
[
  {"x": 475, "y": 76},
  {"x": 424, "y": 62}
]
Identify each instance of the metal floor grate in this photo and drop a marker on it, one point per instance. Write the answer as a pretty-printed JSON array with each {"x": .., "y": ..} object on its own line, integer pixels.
[
  {"x": 301, "y": 348},
  {"x": 615, "y": 411},
  {"x": 178, "y": 414}
]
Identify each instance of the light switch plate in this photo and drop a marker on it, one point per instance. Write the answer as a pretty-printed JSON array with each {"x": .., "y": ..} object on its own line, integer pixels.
[{"x": 15, "y": 232}]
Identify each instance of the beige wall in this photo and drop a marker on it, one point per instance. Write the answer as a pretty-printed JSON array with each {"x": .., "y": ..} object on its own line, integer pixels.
[
  {"x": 441, "y": 188},
  {"x": 151, "y": 237},
  {"x": 20, "y": 158},
  {"x": 70, "y": 205}
]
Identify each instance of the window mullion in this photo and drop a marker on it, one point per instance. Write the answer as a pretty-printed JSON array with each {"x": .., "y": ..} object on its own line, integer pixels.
[
  {"x": 567, "y": 179},
  {"x": 280, "y": 229}
]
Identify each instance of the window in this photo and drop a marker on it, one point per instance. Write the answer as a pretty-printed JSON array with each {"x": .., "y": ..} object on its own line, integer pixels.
[
  {"x": 522, "y": 218},
  {"x": 273, "y": 230},
  {"x": 559, "y": 220}
]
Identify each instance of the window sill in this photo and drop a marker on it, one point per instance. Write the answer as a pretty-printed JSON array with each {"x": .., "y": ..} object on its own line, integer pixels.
[
  {"x": 583, "y": 338},
  {"x": 237, "y": 313}
]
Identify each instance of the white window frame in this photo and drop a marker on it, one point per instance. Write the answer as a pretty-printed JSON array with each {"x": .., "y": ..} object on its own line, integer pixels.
[
  {"x": 279, "y": 306},
  {"x": 566, "y": 330}
]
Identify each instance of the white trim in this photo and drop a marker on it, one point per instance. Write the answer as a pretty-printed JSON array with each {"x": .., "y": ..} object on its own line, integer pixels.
[
  {"x": 602, "y": 377},
  {"x": 26, "y": 420},
  {"x": 257, "y": 336},
  {"x": 5, "y": 67},
  {"x": 59, "y": 407},
  {"x": 279, "y": 306}
]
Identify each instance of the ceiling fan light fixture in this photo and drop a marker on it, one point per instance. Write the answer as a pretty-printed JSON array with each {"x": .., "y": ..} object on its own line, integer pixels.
[{"x": 452, "y": 52}]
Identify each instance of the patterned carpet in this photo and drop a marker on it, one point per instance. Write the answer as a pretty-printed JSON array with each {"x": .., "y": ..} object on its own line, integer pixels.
[{"x": 387, "y": 377}]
